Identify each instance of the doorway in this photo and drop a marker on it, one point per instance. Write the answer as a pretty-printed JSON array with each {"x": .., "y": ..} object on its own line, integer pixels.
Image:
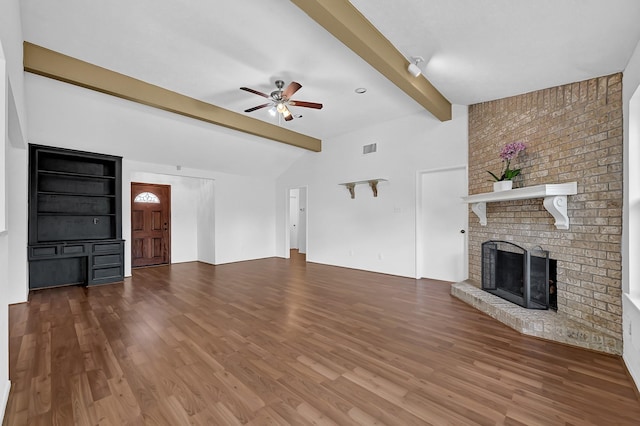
[
  {"x": 150, "y": 224},
  {"x": 294, "y": 216},
  {"x": 297, "y": 220},
  {"x": 443, "y": 219}
]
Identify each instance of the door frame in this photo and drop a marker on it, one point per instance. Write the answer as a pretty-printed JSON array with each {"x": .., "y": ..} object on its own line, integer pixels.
[
  {"x": 287, "y": 220},
  {"x": 420, "y": 215},
  {"x": 168, "y": 233}
]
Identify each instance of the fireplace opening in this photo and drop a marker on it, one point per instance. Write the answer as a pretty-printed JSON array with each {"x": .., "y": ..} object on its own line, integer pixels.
[{"x": 524, "y": 277}]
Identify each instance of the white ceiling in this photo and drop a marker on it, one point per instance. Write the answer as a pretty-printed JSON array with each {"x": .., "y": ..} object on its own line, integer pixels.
[{"x": 475, "y": 50}]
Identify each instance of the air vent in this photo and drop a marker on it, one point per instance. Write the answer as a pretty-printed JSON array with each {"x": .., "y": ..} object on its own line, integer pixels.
[{"x": 368, "y": 149}]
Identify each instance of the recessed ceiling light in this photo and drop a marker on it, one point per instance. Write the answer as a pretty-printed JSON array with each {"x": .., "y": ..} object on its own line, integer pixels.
[{"x": 361, "y": 90}]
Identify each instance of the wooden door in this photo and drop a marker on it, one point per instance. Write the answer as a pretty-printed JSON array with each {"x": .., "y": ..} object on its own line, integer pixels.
[{"x": 150, "y": 224}]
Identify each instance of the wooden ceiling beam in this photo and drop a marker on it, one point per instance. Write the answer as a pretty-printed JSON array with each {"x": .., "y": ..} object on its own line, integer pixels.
[
  {"x": 347, "y": 24},
  {"x": 48, "y": 63}
]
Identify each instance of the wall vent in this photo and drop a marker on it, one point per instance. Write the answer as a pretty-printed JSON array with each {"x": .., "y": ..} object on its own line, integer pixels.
[{"x": 368, "y": 149}]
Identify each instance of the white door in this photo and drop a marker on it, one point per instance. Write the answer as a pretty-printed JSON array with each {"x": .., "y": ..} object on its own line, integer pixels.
[
  {"x": 444, "y": 224},
  {"x": 293, "y": 218}
]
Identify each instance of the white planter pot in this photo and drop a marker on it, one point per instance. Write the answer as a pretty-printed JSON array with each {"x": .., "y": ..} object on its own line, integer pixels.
[{"x": 503, "y": 185}]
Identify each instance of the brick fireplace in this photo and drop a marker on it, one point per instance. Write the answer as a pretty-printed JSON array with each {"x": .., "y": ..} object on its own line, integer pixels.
[{"x": 573, "y": 133}]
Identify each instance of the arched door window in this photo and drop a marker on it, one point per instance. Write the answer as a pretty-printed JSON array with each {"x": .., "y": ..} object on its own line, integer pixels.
[{"x": 147, "y": 197}]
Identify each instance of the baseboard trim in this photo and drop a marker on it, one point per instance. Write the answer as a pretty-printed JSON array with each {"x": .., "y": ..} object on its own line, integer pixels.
[{"x": 5, "y": 400}]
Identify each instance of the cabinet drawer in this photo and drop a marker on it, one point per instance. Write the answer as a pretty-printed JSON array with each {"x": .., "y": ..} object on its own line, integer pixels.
[
  {"x": 45, "y": 251},
  {"x": 107, "y": 259},
  {"x": 104, "y": 274},
  {"x": 107, "y": 248},
  {"x": 75, "y": 249}
]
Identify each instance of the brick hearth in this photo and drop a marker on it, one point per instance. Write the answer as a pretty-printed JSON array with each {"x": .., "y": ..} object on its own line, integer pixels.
[{"x": 549, "y": 325}]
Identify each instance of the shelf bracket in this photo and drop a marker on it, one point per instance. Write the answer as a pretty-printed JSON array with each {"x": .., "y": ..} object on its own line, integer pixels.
[
  {"x": 480, "y": 210},
  {"x": 557, "y": 207},
  {"x": 374, "y": 187},
  {"x": 352, "y": 189}
]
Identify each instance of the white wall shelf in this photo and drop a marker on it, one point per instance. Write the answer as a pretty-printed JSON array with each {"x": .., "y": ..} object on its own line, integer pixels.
[
  {"x": 554, "y": 195},
  {"x": 373, "y": 183}
]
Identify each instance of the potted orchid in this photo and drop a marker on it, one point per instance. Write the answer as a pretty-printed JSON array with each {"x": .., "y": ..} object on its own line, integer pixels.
[{"x": 508, "y": 153}]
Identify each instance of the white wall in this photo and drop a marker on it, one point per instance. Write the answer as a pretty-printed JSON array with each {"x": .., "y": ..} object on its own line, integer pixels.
[
  {"x": 12, "y": 129},
  {"x": 206, "y": 222},
  {"x": 5, "y": 385},
  {"x": 631, "y": 215},
  {"x": 376, "y": 234},
  {"x": 4, "y": 140},
  {"x": 11, "y": 39},
  {"x": 245, "y": 218},
  {"x": 17, "y": 160}
]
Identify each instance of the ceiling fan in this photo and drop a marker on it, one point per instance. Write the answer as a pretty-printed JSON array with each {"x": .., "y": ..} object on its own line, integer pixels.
[{"x": 280, "y": 100}]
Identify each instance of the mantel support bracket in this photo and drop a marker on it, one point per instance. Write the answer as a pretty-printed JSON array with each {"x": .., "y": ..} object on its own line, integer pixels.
[
  {"x": 480, "y": 210},
  {"x": 557, "y": 207}
]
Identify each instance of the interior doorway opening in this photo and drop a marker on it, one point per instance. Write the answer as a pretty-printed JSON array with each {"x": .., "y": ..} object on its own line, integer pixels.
[{"x": 296, "y": 238}]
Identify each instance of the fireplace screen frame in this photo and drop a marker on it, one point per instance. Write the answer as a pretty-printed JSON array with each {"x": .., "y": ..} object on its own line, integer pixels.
[{"x": 529, "y": 287}]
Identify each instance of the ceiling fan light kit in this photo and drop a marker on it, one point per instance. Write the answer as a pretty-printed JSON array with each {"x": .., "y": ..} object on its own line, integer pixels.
[
  {"x": 413, "y": 67},
  {"x": 281, "y": 100}
]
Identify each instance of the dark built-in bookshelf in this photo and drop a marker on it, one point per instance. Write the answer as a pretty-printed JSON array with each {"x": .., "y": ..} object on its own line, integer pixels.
[{"x": 75, "y": 218}]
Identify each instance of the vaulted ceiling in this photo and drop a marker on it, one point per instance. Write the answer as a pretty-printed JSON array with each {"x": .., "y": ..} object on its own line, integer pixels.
[{"x": 474, "y": 50}]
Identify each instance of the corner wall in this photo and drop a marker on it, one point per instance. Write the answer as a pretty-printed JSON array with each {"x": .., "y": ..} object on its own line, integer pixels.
[
  {"x": 375, "y": 234},
  {"x": 631, "y": 238},
  {"x": 573, "y": 133}
]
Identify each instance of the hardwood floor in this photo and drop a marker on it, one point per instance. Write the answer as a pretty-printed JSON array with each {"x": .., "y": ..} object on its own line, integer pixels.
[{"x": 278, "y": 341}]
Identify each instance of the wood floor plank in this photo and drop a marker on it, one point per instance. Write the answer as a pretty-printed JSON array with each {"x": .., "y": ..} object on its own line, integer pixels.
[{"x": 285, "y": 342}]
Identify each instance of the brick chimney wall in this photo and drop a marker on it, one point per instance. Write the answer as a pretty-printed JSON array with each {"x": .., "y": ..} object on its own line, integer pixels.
[{"x": 573, "y": 133}]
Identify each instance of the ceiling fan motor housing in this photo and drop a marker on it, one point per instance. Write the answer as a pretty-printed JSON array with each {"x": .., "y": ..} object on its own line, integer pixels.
[
  {"x": 281, "y": 99},
  {"x": 277, "y": 94}
]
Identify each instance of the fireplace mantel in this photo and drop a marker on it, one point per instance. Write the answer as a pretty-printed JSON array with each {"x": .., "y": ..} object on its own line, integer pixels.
[{"x": 555, "y": 200}]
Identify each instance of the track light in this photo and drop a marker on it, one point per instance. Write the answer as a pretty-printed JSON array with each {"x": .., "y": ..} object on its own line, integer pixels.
[{"x": 413, "y": 67}]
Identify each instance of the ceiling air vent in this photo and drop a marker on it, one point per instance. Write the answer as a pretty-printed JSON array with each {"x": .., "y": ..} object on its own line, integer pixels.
[{"x": 368, "y": 149}]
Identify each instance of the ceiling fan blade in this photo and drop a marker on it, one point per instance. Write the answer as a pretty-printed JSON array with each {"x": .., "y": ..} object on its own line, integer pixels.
[
  {"x": 306, "y": 104},
  {"x": 254, "y": 92},
  {"x": 257, "y": 107},
  {"x": 287, "y": 114},
  {"x": 292, "y": 88}
]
